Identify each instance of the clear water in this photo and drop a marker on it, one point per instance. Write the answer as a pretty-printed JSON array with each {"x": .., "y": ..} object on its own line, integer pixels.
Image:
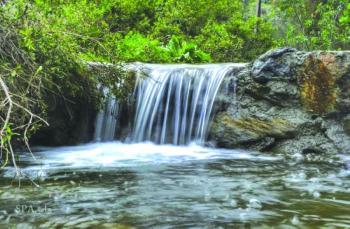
[{"x": 116, "y": 185}]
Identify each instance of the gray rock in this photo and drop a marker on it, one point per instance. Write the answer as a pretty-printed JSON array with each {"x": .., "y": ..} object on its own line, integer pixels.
[
  {"x": 271, "y": 108},
  {"x": 346, "y": 125},
  {"x": 273, "y": 65}
]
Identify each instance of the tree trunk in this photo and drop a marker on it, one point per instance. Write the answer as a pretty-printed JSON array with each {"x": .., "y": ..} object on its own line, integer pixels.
[
  {"x": 258, "y": 8},
  {"x": 258, "y": 14}
]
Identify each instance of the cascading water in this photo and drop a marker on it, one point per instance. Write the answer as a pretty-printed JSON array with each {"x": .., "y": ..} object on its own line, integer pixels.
[
  {"x": 106, "y": 120},
  {"x": 174, "y": 103}
]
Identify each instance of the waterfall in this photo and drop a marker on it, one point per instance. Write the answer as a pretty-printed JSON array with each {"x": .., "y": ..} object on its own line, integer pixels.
[
  {"x": 106, "y": 120},
  {"x": 174, "y": 103}
]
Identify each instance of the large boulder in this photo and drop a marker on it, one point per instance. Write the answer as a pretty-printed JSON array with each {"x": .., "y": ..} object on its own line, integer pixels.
[{"x": 287, "y": 101}]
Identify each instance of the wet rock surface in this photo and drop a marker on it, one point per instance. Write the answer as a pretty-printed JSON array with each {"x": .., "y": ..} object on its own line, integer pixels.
[{"x": 287, "y": 101}]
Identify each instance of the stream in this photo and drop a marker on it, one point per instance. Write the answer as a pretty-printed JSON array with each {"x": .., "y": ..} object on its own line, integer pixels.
[{"x": 143, "y": 185}]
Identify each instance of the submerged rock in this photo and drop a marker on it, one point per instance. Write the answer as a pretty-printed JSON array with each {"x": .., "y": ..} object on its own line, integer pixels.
[{"x": 287, "y": 101}]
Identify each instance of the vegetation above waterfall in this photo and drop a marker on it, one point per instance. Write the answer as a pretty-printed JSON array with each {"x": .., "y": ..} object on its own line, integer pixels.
[
  {"x": 45, "y": 45},
  {"x": 176, "y": 31}
]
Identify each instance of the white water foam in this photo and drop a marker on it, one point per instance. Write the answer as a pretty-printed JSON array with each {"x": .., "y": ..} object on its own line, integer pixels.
[{"x": 117, "y": 154}]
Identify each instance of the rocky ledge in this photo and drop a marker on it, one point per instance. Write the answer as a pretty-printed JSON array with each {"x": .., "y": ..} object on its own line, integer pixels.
[{"x": 287, "y": 101}]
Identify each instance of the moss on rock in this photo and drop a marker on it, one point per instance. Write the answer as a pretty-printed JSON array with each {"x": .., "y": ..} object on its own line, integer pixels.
[
  {"x": 255, "y": 133},
  {"x": 318, "y": 94},
  {"x": 275, "y": 127}
]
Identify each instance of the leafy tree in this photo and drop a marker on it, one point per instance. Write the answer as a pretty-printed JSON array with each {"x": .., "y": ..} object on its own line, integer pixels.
[{"x": 312, "y": 24}]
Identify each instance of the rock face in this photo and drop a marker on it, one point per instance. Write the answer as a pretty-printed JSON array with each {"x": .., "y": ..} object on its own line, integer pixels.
[
  {"x": 71, "y": 121},
  {"x": 287, "y": 101}
]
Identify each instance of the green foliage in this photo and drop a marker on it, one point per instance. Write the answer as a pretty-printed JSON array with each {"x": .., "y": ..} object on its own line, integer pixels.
[
  {"x": 313, "y": 24},
  {"x": 140, "y": 30},
  {"x": 181, "y": 51},
  {"x": 189, "y": 17},
  {"x": 235, "y": 40},
  {"x": 124, "y": 16},
  {"x": 200, "y": 24},
  {"x": 345, "y": 18},
  {"x": 136, "y": 47}
]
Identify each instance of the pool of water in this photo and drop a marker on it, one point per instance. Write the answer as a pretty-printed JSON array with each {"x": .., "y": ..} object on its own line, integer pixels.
[{"x": 116, "y": 185}]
